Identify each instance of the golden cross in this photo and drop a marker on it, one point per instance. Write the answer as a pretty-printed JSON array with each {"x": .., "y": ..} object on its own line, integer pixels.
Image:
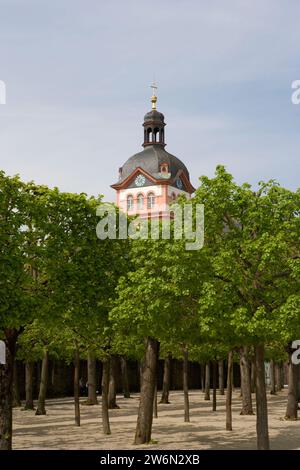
[{"x": 154, "y": 88}]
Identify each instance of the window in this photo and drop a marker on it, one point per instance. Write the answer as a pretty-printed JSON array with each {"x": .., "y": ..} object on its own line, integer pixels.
[
  {"x": 129, "y": 203},
  {"x": 149, "y": 134},
  {"x": 173, "y": 196},
  {"x": 150, "y": 200},
  {"x": 164, "y": 168},
  {"x": 140, "y": 201}
]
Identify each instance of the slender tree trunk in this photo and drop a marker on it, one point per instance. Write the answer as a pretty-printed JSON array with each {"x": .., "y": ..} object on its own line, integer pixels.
[
  {"x": 277, "y": 377},
  {"x": 186, "y": 385},
  {"x": 105, "y": 386},
  {"x": 215, "y": 373},
  {"x": 207, "y": 381},
  {"x": 53, "y": 375},
  {"x": 221, "y": 376},
  {"x": 261, "y": 401},
  {"x": 29, "y": 386},
  {"x": 16, "y": 388},
  {"x": 77, "y": 387},
  {"x": 292, "y": 403},
  {"x": 166, "y": 380},
  {"x": 148, "y": 380},
  {"x": 272, "y": 378},
  {"x": 229, "y": 393},
  {"x": 203, "y": 377},
  {"x": 282, "y": 375},
  {"x": 6, "y": 385},
  {"x": 253, "y": 376},
  {"x": 112, "y": 391},
  {"x": 92, "y": 395},
  {"x": 41, "y": 410},
  {"x": 247, "y": 408},
  {"x": 155, "y": 411},
  {"x": 125, "y": 381}
]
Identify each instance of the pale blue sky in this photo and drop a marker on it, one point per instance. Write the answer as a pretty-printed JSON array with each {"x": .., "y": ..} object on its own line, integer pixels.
[{"x": 78, "y": 73}]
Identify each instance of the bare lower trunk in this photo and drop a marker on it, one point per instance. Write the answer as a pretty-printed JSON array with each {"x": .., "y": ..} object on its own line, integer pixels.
[
  {"x": 278, "y": 377},
  {"x": 166, "y": 380},
  {"x": 16, "y": 388},
  {"x": 272, "y": 378},
  {"x": 186, "y": 385},
  {"x": 148, "y": 380},
  {"x": 221, "y": 376},
  {"x": 292, "y": 403},
  {"x": 41, "y": 410},
  {"x": 77, "y": 387},
  {"x": 229, "y": 393},
  {"x": 215, "y": 372},
  {"x": 92, "y": 395},
  {"x": 112, "y": 391},
  {"x": 202, "y": 377},
  {"x": 261, "y": 401},
  {"x": 207, "y": 381},
  {"x": 155, "y": 411},
  {"x": 105, "y": 385},
  {"x": 253, "y": 376},
  {"x": 125, "y": 381},
  {"x": 29, "y": 386},
  {"x": 6, "y": 385},
  {"x": 245, "y": 382}
]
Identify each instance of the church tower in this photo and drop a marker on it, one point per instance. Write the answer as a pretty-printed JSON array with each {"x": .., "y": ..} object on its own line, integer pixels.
[{"x": 150, "y": 180}]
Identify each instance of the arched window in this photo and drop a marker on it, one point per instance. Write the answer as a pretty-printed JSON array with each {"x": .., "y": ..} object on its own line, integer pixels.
[
  {"x": 173, "y": 196},
  {"x": 164, "y": 168},
  {"x": 140, "y": 201},
  {"x": 156, "y": 134},
  {"x": 129, "y": 202},
  {"x": 150, "y": 200},
  {"x": 149, "y": 134}
]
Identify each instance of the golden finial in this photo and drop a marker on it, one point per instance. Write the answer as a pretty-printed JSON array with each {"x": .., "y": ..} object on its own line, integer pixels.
[{"x": 153, "y": 97}]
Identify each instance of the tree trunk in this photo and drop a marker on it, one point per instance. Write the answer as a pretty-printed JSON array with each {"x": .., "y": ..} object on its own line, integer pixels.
[
  {"x": 247, "y": 408},
  {"x": 148, "y": 380},
  {"x": 253, "y": 376},
  {"x": 229, "y": 393},
  {"x": 29, "y": 386},
  {"x": 6, "y": 385},
  {"x": 53, "y": 375},
  {"x": 278, "y": 377},
  {"x": 292, "y": 403},
  {"x": 16, "y": 388},
  {"x": 261, "y": 401},
  {"x": 272, "y": 378},
  {"x": 77, "y": 387},
  {"x": 92, "y": 395},
  {"x": 202, "y": 377},
  {"x": 41, "y": 410},
  {"x": 105, "y": 386},
  {"x": 125, "y": 381},
  {"x": 155, "y": 412},
  {"x": 215, "y": 373},
  {"x": 166, "y": 380},
  {"x": 207, "y": 381},
  {"x": 112, "y": 391},
  {"x": 221, "y": 376},
  {"x": 186, "y": 385}
]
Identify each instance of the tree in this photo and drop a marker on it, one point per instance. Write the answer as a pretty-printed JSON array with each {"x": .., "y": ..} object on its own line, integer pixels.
[{"x": 253, "y": 238}]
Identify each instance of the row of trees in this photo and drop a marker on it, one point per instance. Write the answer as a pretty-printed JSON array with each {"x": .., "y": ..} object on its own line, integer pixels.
[{"x": 64, "y": 290}]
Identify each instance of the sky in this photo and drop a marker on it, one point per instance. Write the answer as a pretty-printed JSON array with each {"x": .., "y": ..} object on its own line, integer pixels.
[{"x": 78, "y": 75}]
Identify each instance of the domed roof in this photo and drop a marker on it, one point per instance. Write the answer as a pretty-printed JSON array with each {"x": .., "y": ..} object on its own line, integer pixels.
[
  {"x": 150, "y": 160},
  {"x": 154, "y": 115}
]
